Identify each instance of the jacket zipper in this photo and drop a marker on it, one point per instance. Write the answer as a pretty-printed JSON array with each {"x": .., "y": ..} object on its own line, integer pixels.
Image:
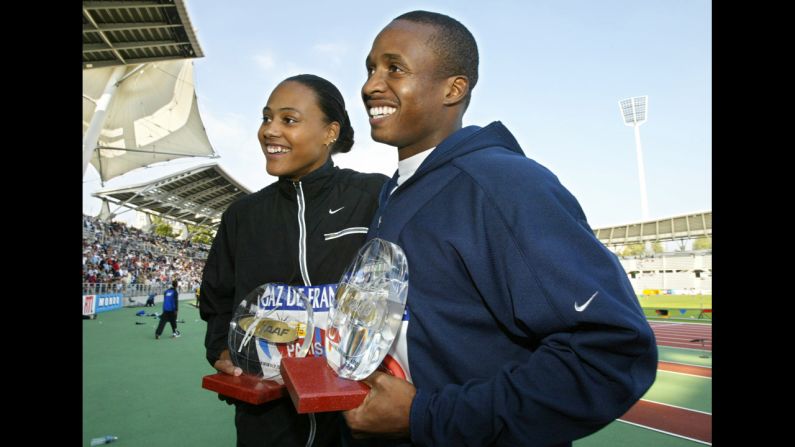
[
  {"x": 302, "y": 233},
  {"x": 382, "y": 210},
  {"x": 299, "y": 193}
]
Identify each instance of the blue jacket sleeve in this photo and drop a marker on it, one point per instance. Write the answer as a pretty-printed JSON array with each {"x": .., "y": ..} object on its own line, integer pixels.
[
  {"x": 554, "y": 287},
  {"x": 217, "y": 290}
]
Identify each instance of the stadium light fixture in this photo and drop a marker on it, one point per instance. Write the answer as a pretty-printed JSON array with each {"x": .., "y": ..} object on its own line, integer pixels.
[{"x": 634, "y": 111}]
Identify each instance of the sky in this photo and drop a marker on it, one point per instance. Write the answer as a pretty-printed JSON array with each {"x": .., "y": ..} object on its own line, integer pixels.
[{"x": 552, "y": 71}]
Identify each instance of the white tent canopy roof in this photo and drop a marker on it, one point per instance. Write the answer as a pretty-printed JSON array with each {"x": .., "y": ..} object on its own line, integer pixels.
[{"x": 153, "y": 117}]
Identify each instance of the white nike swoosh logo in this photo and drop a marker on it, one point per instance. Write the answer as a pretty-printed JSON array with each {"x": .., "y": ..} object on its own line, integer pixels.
[
  {"x": 582, "y": 308},
  {"x": 332, "y": 212}
]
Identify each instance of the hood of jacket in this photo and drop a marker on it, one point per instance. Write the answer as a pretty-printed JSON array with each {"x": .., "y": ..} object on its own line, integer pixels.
[{"x": 463, "y": 141}]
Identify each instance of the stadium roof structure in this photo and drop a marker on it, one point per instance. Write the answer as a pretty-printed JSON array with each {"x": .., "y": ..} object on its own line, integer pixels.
[
  {"x": 687, "y": 226},
  {"x": 139, "y": 101},
  {"x": 134, "y": 32},
  {"x": 194, "y": 196}
]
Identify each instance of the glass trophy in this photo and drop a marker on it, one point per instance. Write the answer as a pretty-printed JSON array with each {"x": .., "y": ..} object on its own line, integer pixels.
[
  {"x": 274, "y": 321},
  {"x": 363, "y": 320}
]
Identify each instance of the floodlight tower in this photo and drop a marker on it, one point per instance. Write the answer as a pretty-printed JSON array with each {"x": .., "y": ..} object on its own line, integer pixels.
[{"x": 633, "y": 110}]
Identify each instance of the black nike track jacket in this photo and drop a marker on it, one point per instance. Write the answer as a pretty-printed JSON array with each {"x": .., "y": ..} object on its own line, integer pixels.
[{"x": 298, "y": 233}]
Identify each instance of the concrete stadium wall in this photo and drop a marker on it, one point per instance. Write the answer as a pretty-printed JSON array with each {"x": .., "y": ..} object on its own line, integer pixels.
[{"x": 690, "y": 270}]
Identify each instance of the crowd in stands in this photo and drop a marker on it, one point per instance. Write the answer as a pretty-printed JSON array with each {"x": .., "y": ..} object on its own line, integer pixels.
[{"x": 122, "y": 259}]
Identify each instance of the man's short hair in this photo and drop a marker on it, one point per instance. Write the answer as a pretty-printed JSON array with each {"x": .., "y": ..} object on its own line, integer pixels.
[{"x": 455, "y": 47}]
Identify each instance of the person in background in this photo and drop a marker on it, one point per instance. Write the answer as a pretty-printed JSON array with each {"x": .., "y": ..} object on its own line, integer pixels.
[
  {"x": 170, "y": 309},
  {"x": 150, "y": 300}
]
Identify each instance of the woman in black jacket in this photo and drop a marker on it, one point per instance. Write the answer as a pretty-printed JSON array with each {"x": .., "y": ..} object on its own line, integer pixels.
[{"x": 302, "y": 230}]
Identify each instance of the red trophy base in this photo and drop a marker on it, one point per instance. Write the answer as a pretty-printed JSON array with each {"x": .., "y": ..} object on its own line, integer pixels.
[
  {"x": 247, "y": 388},
  {"x": 315, "y": 388}
]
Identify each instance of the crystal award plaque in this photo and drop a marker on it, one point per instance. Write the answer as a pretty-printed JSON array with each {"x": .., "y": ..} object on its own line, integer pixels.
[
  {"x": 274, "y": 321},
  {"x": 363, "y": 320}
]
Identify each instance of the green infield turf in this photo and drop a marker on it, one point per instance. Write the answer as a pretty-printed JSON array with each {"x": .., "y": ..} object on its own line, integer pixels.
[
  {"x": 146, "y": 391},
  {"x": 675, "y": 301}
]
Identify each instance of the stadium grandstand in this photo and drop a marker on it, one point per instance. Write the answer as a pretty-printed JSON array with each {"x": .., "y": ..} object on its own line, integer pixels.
[
  {"x": 134, "y": 262},
  {"x": 683, "y": 272},
  {"x": 140, "y": 109},
  {"x": 121, "y": 259}
]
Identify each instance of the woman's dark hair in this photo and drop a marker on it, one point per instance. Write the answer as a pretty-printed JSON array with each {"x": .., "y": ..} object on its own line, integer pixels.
[{"x": 331, "y": 103}]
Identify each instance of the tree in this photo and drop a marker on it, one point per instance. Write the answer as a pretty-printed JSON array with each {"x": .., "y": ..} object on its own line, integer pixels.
[
  {"x": 163, "y": 228},
  {"x": 702, "y": 243},
  {"x": 638, "y": 249},
  {"x": 201, "y": 234}
]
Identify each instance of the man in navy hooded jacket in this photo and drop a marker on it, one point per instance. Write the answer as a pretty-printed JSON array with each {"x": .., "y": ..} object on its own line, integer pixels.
[{"x": 522, "y": 329}]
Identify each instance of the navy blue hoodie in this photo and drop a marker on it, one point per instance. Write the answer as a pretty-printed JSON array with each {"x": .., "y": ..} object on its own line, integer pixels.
[{"x": 523, "y": 328}]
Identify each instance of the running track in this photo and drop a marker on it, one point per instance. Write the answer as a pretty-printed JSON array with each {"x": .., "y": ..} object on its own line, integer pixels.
[
  {"x": 681, "y": 335},
  {"x": 676, "y": 421}
]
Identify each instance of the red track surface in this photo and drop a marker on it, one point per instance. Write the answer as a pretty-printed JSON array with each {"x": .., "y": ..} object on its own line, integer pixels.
[
  {"x": 677, "y": 421},
  {"x": 680, "y": 421},
  {"x": 685, "y": 369},
  {"x": 681, "y": 335}
]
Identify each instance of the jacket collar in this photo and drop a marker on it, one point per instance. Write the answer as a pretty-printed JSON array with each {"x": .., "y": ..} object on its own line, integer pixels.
[{"x": 312, "y": 183}]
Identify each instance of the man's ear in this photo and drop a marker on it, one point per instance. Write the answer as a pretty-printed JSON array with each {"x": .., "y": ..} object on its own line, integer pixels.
[{"x": 456, "y": 90}]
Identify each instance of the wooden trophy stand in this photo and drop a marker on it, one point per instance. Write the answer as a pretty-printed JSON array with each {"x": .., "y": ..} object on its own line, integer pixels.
[
  {"x": 245, "y": 387},
  {"x": 315, "y": 388}
]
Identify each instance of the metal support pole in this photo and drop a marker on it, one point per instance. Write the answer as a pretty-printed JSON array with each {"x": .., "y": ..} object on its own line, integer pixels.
[{"x": 92, "y": 134}]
